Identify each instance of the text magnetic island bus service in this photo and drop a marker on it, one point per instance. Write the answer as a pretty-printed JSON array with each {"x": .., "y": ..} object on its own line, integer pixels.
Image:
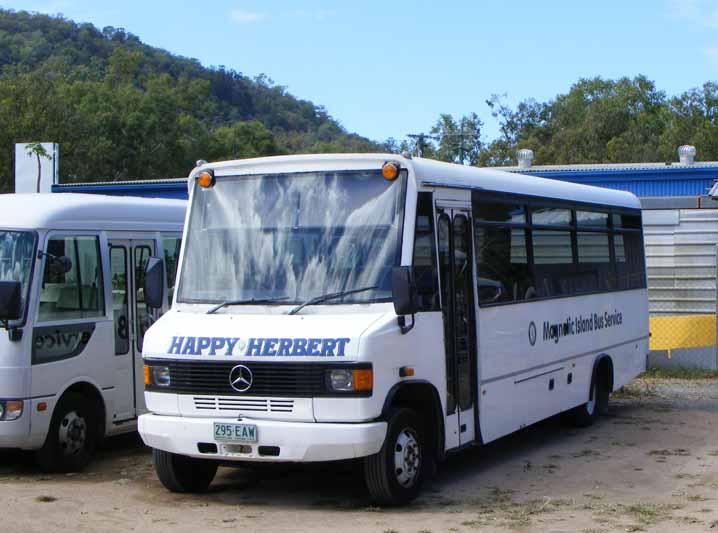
[
  {"x": 73, "y": 316},
  {"x": 389, "y": 310}
]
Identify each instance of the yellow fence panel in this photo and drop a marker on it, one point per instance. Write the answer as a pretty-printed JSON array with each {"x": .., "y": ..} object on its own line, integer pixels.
[{"x": 682, "y": 331}]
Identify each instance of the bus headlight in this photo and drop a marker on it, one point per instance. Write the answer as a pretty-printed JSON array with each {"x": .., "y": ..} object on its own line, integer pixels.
[
  {"x": 10, "y": 409},
  {"x": 160, "y": 376},
  {"x": 350, "y": 380}
]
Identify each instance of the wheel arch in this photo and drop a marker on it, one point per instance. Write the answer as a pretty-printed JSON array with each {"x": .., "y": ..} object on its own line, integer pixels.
[
  {"x": 91, "y": 391},
  {"x": 603, "y": 368},
  {"x": 423, "y": 397}
]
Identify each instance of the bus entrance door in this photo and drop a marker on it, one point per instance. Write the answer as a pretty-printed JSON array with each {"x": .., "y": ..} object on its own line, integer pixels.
[
  {"x": 132, "y": 318},
  {"x": 457, "y": 302}
]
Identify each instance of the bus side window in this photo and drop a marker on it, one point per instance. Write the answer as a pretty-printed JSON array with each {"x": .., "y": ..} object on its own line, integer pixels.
[
  {"x": 79, "y": 292},
  {"x": 425, "y": 273},
  {"x": 172, "y": 247}
]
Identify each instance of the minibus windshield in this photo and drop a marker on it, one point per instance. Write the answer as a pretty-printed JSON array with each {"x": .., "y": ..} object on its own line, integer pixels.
[
  {"x": 16, "y": 259},
  {"x": 293, "y": 237}
]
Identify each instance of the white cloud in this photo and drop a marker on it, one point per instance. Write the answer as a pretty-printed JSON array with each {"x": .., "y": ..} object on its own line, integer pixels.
[
  {"x": 246, "y": 17},
  {"x": 700, "y": 12}
]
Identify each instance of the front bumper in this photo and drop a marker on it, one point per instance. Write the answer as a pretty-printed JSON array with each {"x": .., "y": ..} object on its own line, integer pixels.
[{"x": 297, "y": 441}]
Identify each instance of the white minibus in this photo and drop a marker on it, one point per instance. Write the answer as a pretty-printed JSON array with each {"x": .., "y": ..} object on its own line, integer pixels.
[
  {"x": 73, "y": 316},
  {"x": 387, "y": 309}
]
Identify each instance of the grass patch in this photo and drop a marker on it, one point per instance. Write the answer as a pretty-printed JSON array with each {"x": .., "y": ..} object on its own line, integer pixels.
[
  {"x": 681, "y": 452},
  {"x": 680, "y": 373}
]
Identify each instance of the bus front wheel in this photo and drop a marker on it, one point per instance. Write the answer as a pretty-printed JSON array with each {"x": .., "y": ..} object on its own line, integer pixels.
[
  {"x": 394, "y": 475},
  {"x": 179, "y": 473},
  {"x": 72, "y": 437}
]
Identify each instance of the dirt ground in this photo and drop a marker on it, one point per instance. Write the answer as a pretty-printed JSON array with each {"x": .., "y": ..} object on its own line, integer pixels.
[{"x": 651, "y": 465}]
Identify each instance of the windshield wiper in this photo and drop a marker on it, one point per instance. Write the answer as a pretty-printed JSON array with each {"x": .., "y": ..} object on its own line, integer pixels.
[
  {"x": 245, "y": 302},
  {"x": 330, "y": 296}
]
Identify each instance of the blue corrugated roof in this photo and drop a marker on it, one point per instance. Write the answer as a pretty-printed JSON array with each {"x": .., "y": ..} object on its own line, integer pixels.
[
  {"x": 641, "y": 179},
  {"x": 169, "y": 188},
  {"x": 648, "y": 179}
]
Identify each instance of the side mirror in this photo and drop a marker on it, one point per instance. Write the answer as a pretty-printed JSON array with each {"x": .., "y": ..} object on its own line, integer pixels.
[
  {"x": 402, "y": 290},
  {"x": 10, "y": 301},
  {"x": 61, "y": 265},
  {"x": 154, "y": 282}
]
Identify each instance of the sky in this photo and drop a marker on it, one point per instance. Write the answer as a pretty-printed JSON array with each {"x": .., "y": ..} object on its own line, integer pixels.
[{"x": 389, "y": 68}]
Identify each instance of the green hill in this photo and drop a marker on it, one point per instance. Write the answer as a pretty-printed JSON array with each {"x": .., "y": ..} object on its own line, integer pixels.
[{"x": 121, "y": 109}]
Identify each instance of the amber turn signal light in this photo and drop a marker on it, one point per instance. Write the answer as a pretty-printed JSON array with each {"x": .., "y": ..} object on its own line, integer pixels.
[
  {"x": 390, "y": 170},
  {"x": 363, "y": 380},
  {"x": 147, "y": 375},
  {"x": 205, "y": 179}
]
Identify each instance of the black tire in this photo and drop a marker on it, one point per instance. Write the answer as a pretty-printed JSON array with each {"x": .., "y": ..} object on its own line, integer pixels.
[
  {"x": 597, "y": 404},
  {"x": 73, "y": 435},
  {"x": 405, "y": 444},
  {"x": 179, "y": 473}
]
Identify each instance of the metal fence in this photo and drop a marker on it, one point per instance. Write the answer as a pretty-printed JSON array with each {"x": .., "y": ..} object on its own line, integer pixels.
[{"x": 682, "y": 266}]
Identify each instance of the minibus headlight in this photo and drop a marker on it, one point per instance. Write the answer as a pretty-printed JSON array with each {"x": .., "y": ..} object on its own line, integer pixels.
[
  {"x": 160, "y": 376},
  {"x": 10, "y": 409},
  {"x": 340, "y": 380},
  {"x": 348, "y": 380}
]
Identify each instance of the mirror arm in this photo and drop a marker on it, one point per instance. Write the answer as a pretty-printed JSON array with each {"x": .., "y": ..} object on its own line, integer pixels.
[
  {"x": 13, "y": 333},
  {"x": 401, "y": 319}
]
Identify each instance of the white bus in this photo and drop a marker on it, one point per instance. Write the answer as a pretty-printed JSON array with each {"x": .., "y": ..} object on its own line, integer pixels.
[
  {"x": 387, "y": 309},
  {"x": 73, "y": 317}
]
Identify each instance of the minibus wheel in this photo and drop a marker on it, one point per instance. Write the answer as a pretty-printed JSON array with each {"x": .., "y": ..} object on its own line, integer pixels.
[
  {"x": 179, "y": 473},
  {"x": 586, "y": 414},
  {"x": 394, "y": 475},
  {"x": 72, "y": 437}
]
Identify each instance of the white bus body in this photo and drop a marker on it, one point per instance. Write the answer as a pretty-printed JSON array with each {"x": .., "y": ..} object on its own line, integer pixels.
[
  {"x": 495, "y": 300},
  {"x": 70, "y": 361}
]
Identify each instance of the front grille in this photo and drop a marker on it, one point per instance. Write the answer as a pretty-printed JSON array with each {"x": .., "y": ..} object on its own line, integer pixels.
[
  {"x": 293, "y": 380},
  {"x": 257, "y": 405}
]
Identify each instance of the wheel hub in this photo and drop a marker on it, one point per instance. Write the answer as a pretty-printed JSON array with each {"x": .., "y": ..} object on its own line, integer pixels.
[
  {"x": 72, "y": 433},
  {"x": 407, "y": 458}
]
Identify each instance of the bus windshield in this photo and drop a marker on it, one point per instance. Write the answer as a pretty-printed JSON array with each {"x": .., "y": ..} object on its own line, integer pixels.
[
  {"x": 16, "y": 259},
  {"x": 293, "y": 237}
]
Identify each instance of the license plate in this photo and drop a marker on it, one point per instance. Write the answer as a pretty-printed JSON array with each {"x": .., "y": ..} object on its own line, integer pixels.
[{"x": 235, "y": 432}]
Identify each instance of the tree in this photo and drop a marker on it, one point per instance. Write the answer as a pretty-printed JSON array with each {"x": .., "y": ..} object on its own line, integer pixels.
[
  {"x": 458, "y": 142},
  {"x": 38, "y": 150}
]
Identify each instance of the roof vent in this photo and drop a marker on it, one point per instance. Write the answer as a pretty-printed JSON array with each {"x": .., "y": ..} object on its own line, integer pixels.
[
  {"x": 525, "y": 157},
  {"x": 686, "y": 154}
]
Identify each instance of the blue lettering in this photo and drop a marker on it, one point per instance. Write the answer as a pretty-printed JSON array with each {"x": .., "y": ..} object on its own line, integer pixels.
[
  {"x": 300, "y": 347},
  {"x": 269, "y": 346},
  {"x": 328, "y": 346},
  {"x": 203, "y": 343},
  {"x": 189, "y": 348},
  {"x": 254, "y": 346},
  {"x": 342, "y": 343},
  {"x": 217, "y": 343},
  {"x": 284, "y": 346},
  {"x": 313, "y": 346},
  {"x": 231, "y": 342},
  {"x": 176, "y": 345}
]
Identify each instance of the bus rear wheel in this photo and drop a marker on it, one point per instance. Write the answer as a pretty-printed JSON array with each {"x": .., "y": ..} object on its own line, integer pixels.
[
  {"x": 72, "y": 437},
  {"x": 597, "y": 404},
  {"x": 179, "y": 473},
  {"x": 394, "y": 475}
]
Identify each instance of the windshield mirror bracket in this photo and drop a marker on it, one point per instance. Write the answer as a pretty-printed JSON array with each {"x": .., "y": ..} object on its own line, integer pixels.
[
  {"x": 13, "y": 333},
  {"x": 401, "y": 319}
]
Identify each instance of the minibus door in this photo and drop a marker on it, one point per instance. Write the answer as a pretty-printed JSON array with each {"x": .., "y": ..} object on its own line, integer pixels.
[
  {"x": 457, "y": 295},
  {"x": 132, "y": 318}
]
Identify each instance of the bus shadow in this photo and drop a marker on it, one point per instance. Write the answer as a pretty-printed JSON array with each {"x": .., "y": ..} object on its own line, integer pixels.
[
  {"x": 340, "y": 485},
  {"x": 122, "y": 451}
]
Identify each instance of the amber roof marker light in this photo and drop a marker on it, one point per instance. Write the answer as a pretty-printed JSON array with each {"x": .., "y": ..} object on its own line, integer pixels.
[
  {"x": 205, "y": 179},
  {"x": 390, "y": 170}
]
